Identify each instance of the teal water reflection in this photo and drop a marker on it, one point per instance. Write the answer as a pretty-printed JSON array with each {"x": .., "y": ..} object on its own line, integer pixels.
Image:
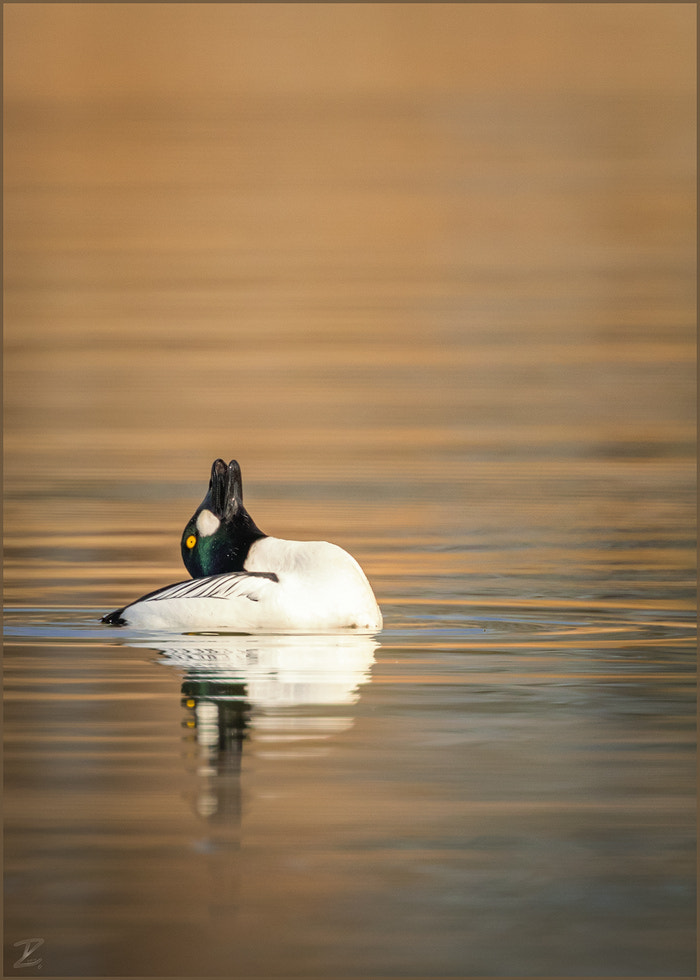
[{"x": 242, "y": 803}]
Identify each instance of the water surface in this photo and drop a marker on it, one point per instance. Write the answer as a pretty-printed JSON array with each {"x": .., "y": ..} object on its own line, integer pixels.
[{"x": 452, "y": 331}]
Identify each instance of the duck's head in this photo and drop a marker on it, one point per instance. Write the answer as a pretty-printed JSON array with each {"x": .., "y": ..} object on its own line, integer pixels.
[{"x": 220, "y": 532}]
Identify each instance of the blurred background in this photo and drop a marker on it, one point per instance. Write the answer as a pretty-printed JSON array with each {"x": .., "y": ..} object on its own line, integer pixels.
[
  {"x": 428, "y": 272},
  {"x": 384, "y": 255}
]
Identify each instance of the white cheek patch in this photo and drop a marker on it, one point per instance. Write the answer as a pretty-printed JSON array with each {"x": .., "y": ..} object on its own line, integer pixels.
[{"x": 207, "y": 523}]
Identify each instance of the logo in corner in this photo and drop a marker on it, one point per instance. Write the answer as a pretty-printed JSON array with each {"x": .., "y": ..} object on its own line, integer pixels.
[{"x": 30, "y": 947}]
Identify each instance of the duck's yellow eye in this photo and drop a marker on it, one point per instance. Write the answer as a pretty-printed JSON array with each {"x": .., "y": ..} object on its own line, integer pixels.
[{"x": 191, "y": 541}]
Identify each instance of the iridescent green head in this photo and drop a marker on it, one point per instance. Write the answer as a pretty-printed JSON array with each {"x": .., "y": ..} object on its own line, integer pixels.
[{"x": 220, "y": 532}]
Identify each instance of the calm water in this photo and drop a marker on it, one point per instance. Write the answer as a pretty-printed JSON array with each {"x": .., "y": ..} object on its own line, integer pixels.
[{"x": 452, "y": 331}]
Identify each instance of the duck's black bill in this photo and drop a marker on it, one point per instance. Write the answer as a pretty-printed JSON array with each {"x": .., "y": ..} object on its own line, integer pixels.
[
  {"x": 215, "y": 500},
  {"x": 225, "y": 495}
]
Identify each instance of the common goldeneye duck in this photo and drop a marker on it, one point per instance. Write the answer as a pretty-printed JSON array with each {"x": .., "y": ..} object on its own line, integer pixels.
[{"x": 244, "y": 581}]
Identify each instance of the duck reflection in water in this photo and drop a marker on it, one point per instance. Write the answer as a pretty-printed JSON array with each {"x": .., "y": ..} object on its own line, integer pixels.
[
  {"x": 217, "y": 719},
  {"x": 264, "y": 690}
]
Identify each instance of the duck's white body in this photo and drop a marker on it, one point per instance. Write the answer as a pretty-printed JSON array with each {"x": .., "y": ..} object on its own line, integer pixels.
[{"x": 286, "y": 586}]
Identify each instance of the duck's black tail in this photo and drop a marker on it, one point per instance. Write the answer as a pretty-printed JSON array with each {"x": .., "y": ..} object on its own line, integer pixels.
[{"x": 115, "y": 618}]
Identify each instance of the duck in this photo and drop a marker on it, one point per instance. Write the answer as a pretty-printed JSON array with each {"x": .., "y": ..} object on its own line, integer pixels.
[{"x": 245, "y": 581}]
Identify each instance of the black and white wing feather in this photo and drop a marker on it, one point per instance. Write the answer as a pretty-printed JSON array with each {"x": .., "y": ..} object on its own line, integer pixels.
[{"x": 241, "y": 585}]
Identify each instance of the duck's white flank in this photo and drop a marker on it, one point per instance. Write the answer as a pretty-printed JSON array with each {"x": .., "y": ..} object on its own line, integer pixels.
[{"x": 286, "y": 586}]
